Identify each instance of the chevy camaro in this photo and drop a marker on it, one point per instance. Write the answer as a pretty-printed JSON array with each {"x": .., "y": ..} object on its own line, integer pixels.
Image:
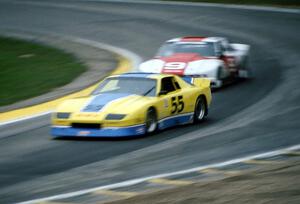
[
  {"x": 211, "y": 57},
  {"x": 133, "y": 104}
]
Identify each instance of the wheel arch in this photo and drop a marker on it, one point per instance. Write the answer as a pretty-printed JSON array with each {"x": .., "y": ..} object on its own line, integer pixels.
[
  {"x": 205, "y": 100},
  {"x": 152, "y": 107},
  {"x": 149, "y": 109}
]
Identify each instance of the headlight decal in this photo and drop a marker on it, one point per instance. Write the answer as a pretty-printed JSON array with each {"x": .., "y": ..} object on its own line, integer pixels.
[
  {"x": 115, "y": 116},
  {"x": 61, "y": 115}
]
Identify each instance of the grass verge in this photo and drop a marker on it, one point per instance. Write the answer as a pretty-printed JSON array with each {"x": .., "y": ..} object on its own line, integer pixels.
[
  {"x": 29, "y": 69},
  {"x": 288, "y": 3}
]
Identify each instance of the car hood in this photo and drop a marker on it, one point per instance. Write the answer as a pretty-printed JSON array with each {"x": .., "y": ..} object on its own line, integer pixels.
[
  {"x": 182, "y": 57},
  {"x": 101, "y": 105},
  {"x": 182, "y": 64}
]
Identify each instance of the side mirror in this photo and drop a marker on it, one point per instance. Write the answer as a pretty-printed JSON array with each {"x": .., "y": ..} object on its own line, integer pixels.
[{"x": 162, "y": 92}]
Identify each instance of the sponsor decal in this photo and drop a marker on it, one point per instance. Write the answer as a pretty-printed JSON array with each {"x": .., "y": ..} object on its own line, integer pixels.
[
  {"x": 140, "y": 130},
  {"x": 86, "y": 115},
  {"x": 83, "y": 133},
  {"x": 166, "y": 105}
]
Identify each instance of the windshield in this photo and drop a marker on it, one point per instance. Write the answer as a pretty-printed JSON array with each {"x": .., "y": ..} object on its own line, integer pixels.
[
  {"x": 131, "y": 85},
  {"x": 204, "y": 49}
]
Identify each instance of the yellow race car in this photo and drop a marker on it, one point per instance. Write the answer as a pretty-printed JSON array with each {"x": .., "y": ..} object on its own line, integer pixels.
[{"x": 133, "y": 104}]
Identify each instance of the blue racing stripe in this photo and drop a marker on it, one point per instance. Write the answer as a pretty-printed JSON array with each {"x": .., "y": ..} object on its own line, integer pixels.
[{"x": 99, "y": 101}]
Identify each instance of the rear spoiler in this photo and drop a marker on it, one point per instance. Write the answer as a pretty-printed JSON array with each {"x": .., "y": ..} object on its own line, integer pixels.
[{"x": 197, "y": 81}]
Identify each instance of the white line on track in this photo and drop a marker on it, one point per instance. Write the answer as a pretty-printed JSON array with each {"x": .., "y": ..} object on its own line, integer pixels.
[
  {"x": 143, "y": 179},
  {"x": 25, "y": 118},
  {"x": 216, "y": 5},
  {"x": 128, "y": 53}
]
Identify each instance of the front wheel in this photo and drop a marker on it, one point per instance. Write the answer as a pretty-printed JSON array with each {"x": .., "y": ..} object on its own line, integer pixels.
[
  {"x": 200, "y": 110},
  {"x": 151, "y": 121}
]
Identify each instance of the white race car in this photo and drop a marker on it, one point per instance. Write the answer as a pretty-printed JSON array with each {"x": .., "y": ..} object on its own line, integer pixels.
[{"x": 210, "y": 57}]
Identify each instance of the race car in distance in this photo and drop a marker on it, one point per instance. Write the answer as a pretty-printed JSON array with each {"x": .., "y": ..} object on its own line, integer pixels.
[
  {"x": 133, "y": 104},
  {"x": 210, "y": 57}
]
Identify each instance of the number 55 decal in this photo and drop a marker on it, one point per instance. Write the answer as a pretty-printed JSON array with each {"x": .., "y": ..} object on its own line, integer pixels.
[{"x": 177, "y": 105}]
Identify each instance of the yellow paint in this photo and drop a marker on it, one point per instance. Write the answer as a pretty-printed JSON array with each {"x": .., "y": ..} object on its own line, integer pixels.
[
  {"x": 124, "y": 65},
  {"x": 134, "y": 107},
  {"x": 116, "y": 193},
  {"x": 170, "y": 182},
  {"x": 218, "y": 171}
]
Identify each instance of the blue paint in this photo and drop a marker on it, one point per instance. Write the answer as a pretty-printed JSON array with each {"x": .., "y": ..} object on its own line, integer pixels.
[
  {"x": 102, "y": 132},
  {"x": 120, "y": 131},
  {"x": 101, "y": 100},
  {"x": 173, "y": 121}
]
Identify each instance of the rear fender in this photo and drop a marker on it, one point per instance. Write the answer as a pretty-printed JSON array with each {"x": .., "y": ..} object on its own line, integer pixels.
[
  {"x": 198, "y": 81},
  {"x": 201, "y": 82},
  {"x": 204, "y": 84}
]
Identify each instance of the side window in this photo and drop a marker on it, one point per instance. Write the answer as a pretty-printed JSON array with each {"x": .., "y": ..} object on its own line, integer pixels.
[
  {"x": 177, "y": 85},
  {"x": 223, "y": 48},
  {"x": 218, "y": 48},
  {"x": 167, "y": 85},
  {"x": 226, "y": 46}
]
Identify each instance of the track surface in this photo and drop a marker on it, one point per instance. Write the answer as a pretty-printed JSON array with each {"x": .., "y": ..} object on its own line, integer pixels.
[{"x": 251, "y": 117}]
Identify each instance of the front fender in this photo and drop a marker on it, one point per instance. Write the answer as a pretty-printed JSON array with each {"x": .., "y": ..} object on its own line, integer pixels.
[{"x": 207, "y": 68}]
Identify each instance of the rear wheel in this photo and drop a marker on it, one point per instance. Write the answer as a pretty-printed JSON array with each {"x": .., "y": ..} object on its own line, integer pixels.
[
  {"x": 245, "y": 71},
  {"x": 151, "y": 121},
  {"x": 200, "y": 111},
  {"x": 219, "y": 81}
]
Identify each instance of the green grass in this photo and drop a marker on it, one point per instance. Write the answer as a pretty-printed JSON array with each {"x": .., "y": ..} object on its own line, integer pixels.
[
  {"x": 28, "y": 69},
  {"x": 252, "y": 2}
]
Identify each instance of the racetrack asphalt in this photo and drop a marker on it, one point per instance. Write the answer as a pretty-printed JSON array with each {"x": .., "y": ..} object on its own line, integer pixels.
[{"x": 248, "y": 117}]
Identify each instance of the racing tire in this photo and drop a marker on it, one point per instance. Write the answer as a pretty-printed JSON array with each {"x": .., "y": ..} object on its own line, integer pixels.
[
  {"x": 200, "y": 111},
  {"x": 151, "y": 121},
  {"x": 245, "y": 71},
  {"x": 220, "y": 81}
]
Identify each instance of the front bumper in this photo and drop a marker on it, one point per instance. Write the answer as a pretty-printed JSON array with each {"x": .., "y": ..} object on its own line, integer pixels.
[{"x": 68, "y": 131}]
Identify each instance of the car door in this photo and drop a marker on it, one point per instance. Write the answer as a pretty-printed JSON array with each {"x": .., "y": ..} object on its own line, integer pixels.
[{"x": 171, "y": 94}]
